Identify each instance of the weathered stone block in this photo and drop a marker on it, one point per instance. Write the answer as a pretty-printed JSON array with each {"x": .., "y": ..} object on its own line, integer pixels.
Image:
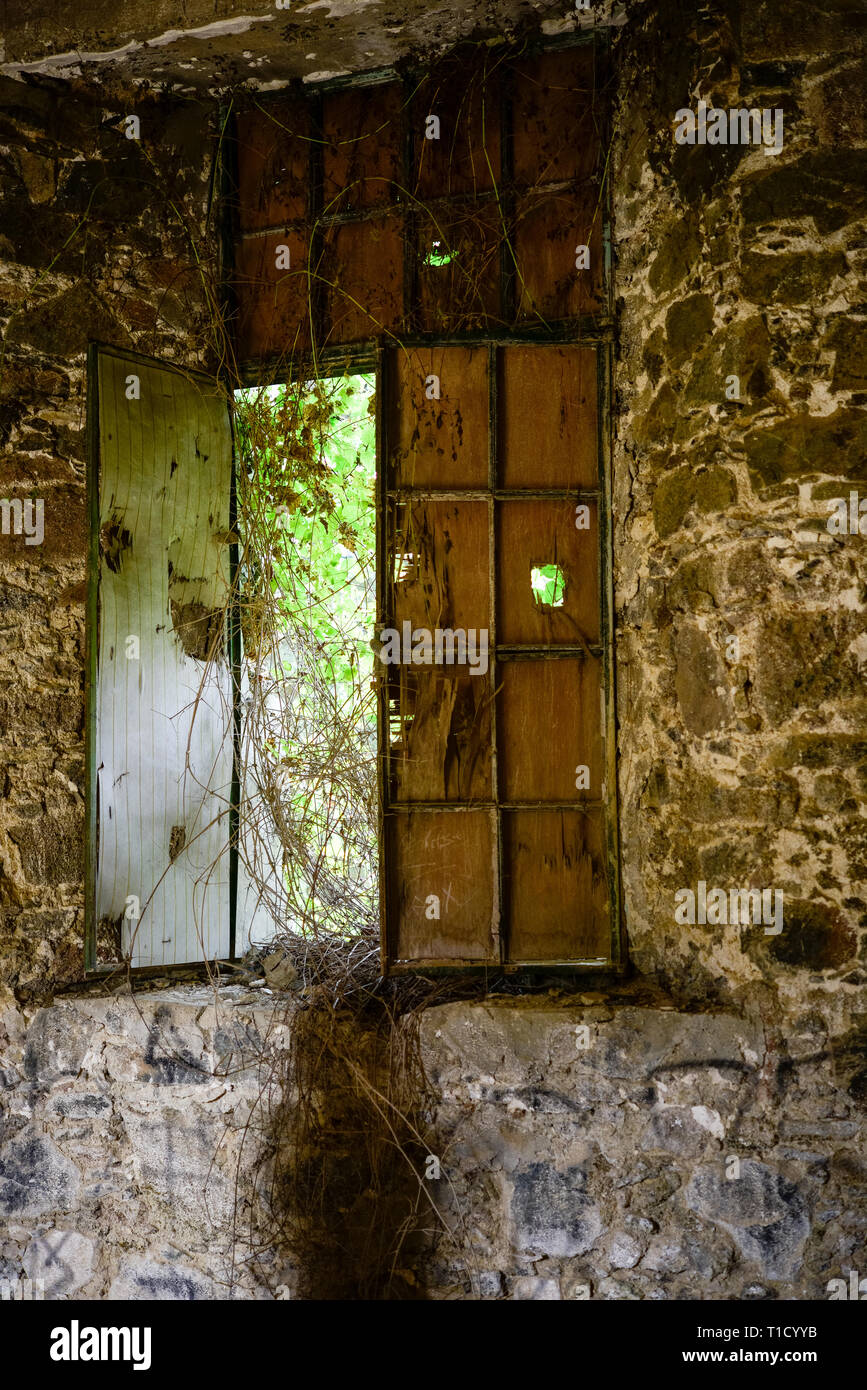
[
  {"x": 80, "y": 1105},
  {"x": 675, "y": 1130},
  {"x": 624, "y": 1251},
  {"x": 35, "y": 1177},
  {"x": 831, "y": 191},
  {"x": 687, "y": 325},
  {"x": 143, "y": 1279},
  {"x": 528, "y": 1286},
  {"x": 848, "y": 338},
  {"x": 741, "y": 349},
  {"x": 701, "y": 680},
  {"x": 674, "y": 497},
  {"x": 815, "y": 936},
  {"x": 52, "y": 849},
  {"x": 173, "y": 1152},
  {"x": 62, "y": 1259},
  {"x": 551, "y": 1213},
  {"x": 56, "y": 1043},
  {"x": 835, "y": 444},
  {"x": 796, "y": 278},
  {"x": 799, "y": 663},
  {"x": 763, "y": 1212},
  {"x": 679, "y": 251}
]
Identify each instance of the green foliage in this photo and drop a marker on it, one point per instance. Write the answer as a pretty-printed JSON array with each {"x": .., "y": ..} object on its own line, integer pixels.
[
  {"x": 548, "y": 584},
  {"x": 307, "y": 532},
  {"x": 438, "y": 255}
]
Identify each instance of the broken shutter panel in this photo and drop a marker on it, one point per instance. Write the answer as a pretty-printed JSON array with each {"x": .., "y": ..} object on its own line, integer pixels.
[
  {"x": 163, "y": 711},
  {"x": 495, "y": 792},
  {"x": 467, "y": 198}
]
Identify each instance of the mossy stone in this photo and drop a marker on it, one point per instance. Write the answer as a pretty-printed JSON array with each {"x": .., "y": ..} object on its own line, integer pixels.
[{"x": 790, "y": 279}]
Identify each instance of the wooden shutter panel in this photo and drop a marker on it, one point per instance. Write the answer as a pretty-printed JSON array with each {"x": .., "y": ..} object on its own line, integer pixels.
[
  {"x": 161, "y": 712},
  {"x": 496, "y": 852}
]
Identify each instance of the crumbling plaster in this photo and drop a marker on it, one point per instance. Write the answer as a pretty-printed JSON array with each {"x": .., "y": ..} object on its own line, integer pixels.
[{"x": 210, "y": 44}]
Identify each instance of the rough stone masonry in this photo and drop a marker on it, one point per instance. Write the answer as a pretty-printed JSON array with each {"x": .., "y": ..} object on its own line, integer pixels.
[{"x": 697, "y": 1131}]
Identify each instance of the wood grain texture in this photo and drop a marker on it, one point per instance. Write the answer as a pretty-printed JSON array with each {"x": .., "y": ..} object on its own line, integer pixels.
[
  {"x": 361, "y": 161},
  {"x": 556, "y": 136},
  {"x": 550, "y": 227},
  {"x": 549, "y": 721},
  {"x": 273, "y": 152},
  {"x": 464, "y": 92},
  {"x": 362, "y": 270},
  {"x": 547, "y": 418},
  {"x": 273, "y": 305},
  {"x": 439, "y": 443},
  {"x": 450, "y": 856},
  {"x": 163, "y": 721},
  {"x": 555, "y": 887}
]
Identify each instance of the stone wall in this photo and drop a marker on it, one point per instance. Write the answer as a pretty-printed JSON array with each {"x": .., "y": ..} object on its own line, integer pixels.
[
  {"x": 101, "y": 238},
  {"x": 127, "y": 1145},
  {"x": 599, "y": 1146},
  {"x": 705, "y": 1141},
  {"x": 743, "y": 765},
  {"x": 615, "y": 1147}
]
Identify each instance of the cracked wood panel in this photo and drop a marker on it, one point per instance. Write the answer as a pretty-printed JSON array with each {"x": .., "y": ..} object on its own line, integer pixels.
[
  {"x": 533, "y": 535},
  {"x": 163, "y": 721},
  {"x": 461, "y": 292},
  {"x": 442, "y": 893},
  {"x": 549, "y": 722},
  {"x": 556, "y": 901},
  {"x": 442, "y": 750},
  {"x": 439, "y": 714},
  {"x": 441, "y": 548},
  {"x": 438, "y": 443}
]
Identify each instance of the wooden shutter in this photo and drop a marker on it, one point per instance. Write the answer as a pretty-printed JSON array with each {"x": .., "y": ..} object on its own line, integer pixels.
[
  {"x": 493, "y": 853},
  {"x": 478, "y": 257},
  {"x": 160, "y": 712},
  {"x": 352, "y": 226}
]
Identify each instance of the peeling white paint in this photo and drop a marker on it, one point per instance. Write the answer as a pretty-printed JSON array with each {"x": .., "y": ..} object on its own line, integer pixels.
[
  {"x": 216, "y": 30},
  {"x": 73, "y": 60},
  {"x": 325, "y": 76},
  {"x": 338, "y": 9}
]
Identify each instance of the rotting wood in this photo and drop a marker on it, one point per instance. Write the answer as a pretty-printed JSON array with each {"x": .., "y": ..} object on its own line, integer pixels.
[
  {"x": 486, "y": 476},
  {"x": 162, "y": 754}
]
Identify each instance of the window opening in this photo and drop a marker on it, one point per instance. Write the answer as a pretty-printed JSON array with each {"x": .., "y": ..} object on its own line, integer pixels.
[
  {"x": 307, "y": 592},
  {"x": 439, "y": 255},
  {"x": 548, "y": 583}
]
